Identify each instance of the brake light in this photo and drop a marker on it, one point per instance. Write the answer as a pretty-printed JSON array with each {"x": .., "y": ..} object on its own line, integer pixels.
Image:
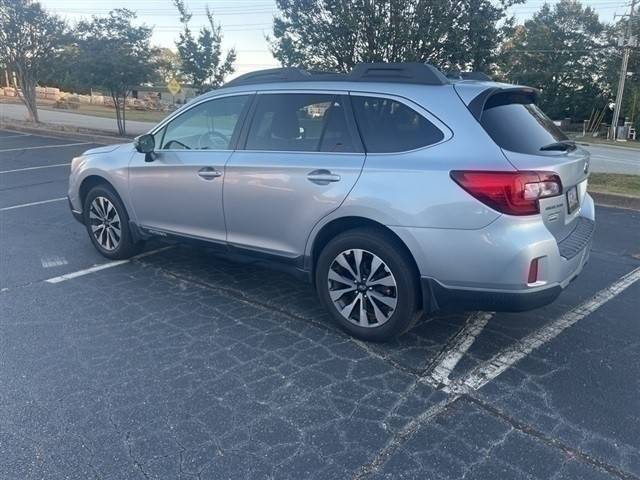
[
  {"x": 513, "y": 193},
  {"x": 533, "y": 271}
]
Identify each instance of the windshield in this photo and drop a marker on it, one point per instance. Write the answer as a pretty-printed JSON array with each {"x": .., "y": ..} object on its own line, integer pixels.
[{"x": 520, "y": 127}]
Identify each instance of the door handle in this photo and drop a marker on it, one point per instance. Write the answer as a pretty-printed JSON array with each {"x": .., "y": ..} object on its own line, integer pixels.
[
  {"x": 209, "y": 173},
  {"x": 322, "y": 177}
]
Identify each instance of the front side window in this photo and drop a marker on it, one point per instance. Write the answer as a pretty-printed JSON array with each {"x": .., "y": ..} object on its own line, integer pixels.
[
  {"x": 208, "y": 126},
  {"x": 389, "y": 126},
  {"x": 300, "y": 122}
]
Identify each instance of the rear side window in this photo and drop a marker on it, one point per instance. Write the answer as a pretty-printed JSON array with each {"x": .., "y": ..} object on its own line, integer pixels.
[
  {"x": 389, "y": 126},
  {"x": 300, "y": 122},
  {"x": 519, "y": 127}
]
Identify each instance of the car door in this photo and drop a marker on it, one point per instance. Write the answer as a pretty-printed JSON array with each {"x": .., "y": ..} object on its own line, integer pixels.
[
  {"x": 301, "y": 157},
  {"x": 180, "y": 191}
]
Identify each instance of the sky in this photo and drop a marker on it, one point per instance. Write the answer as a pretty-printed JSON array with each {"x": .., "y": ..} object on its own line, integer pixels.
[{"x": 245, "y": 23}]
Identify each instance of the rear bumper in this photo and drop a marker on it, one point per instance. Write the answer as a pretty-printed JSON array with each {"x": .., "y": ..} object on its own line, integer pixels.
[
  {"x": 438, "y": 297},
  {"x": 487, "y": 269}
]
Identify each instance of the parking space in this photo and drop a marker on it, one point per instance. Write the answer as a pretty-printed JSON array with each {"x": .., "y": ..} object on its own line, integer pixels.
[
  {"x": 183, "y": 364},
  {"x": 34, "y": 168}
]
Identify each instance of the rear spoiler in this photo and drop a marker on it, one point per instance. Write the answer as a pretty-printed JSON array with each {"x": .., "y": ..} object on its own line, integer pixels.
[{"x": 494, "y": 96}]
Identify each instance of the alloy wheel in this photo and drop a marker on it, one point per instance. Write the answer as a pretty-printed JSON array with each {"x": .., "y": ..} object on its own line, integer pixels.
[
  {"x": 105, "y": 223},
  {"x": 362, "y": 288}
]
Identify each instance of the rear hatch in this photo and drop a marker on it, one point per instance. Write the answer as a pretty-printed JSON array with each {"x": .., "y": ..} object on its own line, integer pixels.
[{"x": 531, "y": 141}]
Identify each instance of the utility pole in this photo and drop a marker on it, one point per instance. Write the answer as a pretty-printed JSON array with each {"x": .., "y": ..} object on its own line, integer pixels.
[{"x": 627, "y": 42}]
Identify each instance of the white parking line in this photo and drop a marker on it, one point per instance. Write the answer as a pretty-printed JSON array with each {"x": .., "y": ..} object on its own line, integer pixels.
[
  {"x": 44, "y": 146},
  {"x": 457, "y": 347},
  {"x": 490, "y": 369},
  {"x": 13, "y": 207},
  {"x": 86, "y": 271},
  {"x": 103, "y": 266},
  {"x": 35, "y": 168}
]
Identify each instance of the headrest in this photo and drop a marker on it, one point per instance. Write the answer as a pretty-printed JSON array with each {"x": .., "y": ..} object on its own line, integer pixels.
[{"x": 285, "y": 124}]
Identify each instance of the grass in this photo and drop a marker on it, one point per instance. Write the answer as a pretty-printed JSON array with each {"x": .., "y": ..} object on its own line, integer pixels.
[{"x": 615, "y": 183}]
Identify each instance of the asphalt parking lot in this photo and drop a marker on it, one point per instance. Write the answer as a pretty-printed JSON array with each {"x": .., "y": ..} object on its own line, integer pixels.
[{"x": 180, "y": 364}]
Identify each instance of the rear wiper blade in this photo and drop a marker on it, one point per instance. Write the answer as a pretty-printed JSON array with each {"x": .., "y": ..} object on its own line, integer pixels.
[{"x": 564, "y": 145}]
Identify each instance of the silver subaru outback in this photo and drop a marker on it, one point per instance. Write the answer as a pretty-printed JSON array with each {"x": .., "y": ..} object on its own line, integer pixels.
[{"x": 394, "y": 189}]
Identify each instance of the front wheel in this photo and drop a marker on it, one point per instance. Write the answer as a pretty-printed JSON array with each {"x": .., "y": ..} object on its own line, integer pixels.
[
  {"x": 368, "y": 284},
  {"x": 107, "y": 223}
]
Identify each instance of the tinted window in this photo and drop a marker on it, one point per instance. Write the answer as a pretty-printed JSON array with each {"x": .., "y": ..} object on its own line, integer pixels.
[
  {"x": 518, "y": 127},
  {"x": 300, "y": 122},
  {"x": 390, "y": 126},
  {"x": 208, "y": 126}
]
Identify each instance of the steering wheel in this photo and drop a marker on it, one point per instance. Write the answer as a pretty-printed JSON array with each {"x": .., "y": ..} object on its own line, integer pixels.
[
  {"x": 210, "y": 137},
  {"x": 170, "y": 144}
]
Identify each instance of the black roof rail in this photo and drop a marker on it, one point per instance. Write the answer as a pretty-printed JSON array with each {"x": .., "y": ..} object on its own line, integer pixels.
[
  {"x": 414, "y": 72},
  {"x": 420, "y": 73},
  {"x": 285, "y": 74}
]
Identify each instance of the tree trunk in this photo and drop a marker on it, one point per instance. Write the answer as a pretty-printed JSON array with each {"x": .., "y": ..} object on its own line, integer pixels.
[
  {"x": 119, "y": 115},
  {"x": 124, "y": 114},
  {"x": 28, "y": 94}
]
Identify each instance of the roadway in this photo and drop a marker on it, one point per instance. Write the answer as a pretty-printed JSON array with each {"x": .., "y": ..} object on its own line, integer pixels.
[
  {"x": 614, "y": 159},
  {"x": 16, "y": 111}
]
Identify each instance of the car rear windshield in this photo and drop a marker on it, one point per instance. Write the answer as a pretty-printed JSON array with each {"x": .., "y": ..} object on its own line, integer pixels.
[{"x": 518, "y": 125}]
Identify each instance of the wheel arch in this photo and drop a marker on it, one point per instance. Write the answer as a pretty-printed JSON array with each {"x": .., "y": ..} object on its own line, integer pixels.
[
  {"x": 343, "y": 224},
  {"x": 90, "y": 182},
  {"x": 93, "y": 180}
]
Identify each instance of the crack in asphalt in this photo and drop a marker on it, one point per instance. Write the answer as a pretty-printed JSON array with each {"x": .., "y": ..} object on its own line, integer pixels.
[
  {"x": 549, "y": 441},
  {"x": 420, "y": 376},
  {"x": 400, "y": 438},
  {"x": 404, "y": 435},
  {"x": 239, "y": 295}
]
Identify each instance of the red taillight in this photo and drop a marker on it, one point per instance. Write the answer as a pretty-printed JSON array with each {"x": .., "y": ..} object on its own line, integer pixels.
[
  {"x": 513, "y": 193},
  {"x": 533, "y": 271}
]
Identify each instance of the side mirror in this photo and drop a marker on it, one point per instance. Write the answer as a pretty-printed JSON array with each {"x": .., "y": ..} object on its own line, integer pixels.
[{"x": 145, "y": 144}]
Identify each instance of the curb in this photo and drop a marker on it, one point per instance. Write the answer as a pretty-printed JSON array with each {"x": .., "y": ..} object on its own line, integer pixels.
[
  {"x": 616, "y": 200},
  {"x": 71, "y": 132}
]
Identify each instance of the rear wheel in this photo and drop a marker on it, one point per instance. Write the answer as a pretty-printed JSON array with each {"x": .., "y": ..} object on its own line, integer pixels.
[
  {"x": 368, "y": 284},
  {"x": 107, "y": 223}
]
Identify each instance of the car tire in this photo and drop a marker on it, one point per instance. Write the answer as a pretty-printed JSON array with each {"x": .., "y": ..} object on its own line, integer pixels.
[
  {"x": 107, "y": 223},
  {"x": 390, "y": 294}
]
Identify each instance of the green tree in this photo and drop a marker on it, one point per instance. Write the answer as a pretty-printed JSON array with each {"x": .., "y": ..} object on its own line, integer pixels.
[
  {"x": 115, "y": 55},
  {"x": 63, "y": 73},
  {"x": 201, "y": 57},
  {"x": 337, "y": 34},
  {"x": 30, "y": 40},
  {"x": 562, "y": 51},
  {"x": 168, "y": 65}
]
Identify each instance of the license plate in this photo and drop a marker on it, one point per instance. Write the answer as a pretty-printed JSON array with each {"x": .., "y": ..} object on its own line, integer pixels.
[{"x": 572, "y": 199}]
